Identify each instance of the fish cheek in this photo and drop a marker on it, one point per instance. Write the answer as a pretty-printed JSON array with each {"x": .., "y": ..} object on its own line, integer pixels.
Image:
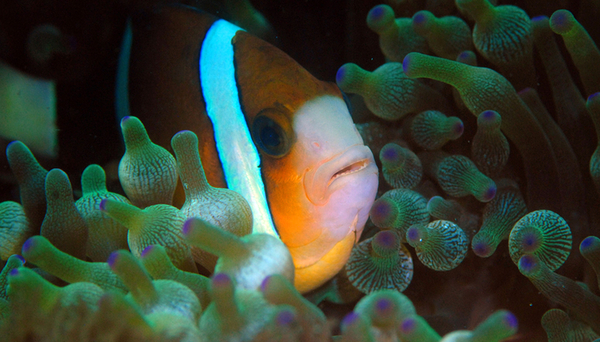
[{"x": 294, "y": 216}]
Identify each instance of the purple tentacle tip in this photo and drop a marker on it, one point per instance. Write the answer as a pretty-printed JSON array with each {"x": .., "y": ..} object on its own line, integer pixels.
[
  {"x": 412, "y": 234},
  {"x": 28, "y": 245},
  {"x": 14, "y": 272},
  {"x": 21, "y": 258},
  {"x": 539, "y": 18},
  {"x": 386, "y": 238},
  {"x": 406, "y": 64},
  {"x": 527, "y": 263},
  {"x": 488, "y": 114},
  {"x": 390, "y": 153},
  {"x": 147, "y": 250},
  {"x": 560, "y": 18},
  {"x": 377, "y": 12},
  {"x": 285, "y": 317},
  {"x": 350, "y": 318},
  {"x": 384, "y": 306},
  {"x": 265, "y": 283},
  {"x": 459, "y": 128},
  {"x": 419, "y": 18},
  {"x": 588, "y": 242},
  {"x": 463, "y": 55},
  {"x": 187, "y": 226},
  {"x": 490, "y": 193},
  {"x": 112, "y": 259},
  {"x": 12, "y": 143},
  {"x": 511, "y": 320},
  {"x": 102, "y": 205},
  {"x": 481, "y": 249},
  {"x": 408, "y": 325},
  {"x": 381, "y": 209},
  {"x": 221, "y": 279},
  {"x": 590, "y": 98},
  {"x": 341, "y": 73}
]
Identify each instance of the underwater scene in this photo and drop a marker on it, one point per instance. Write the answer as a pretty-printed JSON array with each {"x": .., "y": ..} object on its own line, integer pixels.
[{"x": 335, "y": 170}]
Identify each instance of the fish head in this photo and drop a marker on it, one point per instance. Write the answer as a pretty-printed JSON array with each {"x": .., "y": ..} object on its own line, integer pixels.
[{"x": 320, "y": 178}]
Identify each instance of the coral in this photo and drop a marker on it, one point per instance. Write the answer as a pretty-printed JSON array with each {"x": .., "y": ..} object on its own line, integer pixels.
[
  {"x": 542, "y": 233},
  {"x": 221, "y": 207},
  {"x": 447, "y": 37},
  {"x": 63, "y": 224},
  {"x": 397, "y": 37},
  {"x": 399, "y": 209},
  {"x": 400, "y": 166},
  {"x": 499, "y": 218},
  {"x": 104, "y": 233},
  {"x": 387, "y": 91},
  {"x": 440, "y": 245},
  {"x": 432, "y": 129},
  {"x": 458, "y": 176},
  {"x": 147, "y": 171},
  {"x": 380, "y": 262},
  {"x": 490, "y": 149}
]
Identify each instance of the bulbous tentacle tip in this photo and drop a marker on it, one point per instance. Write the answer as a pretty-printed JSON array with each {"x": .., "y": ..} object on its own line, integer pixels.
[
  {"x": 20, "y": 258},
  {"x": 265, "y": 283},
  {"x": 188, "y": 226},
  {"x": 381, "y": 211},
  {"x": 539, "y": 18},
  {"x": 147, "y": 250},
  {"x": 562, "y": 21},
  {"x": 384, "y": 307},
  {"x": 380, "y": 17},
  {"x": 528, "y": 264},
  {"x": 112, "y": 259},
  {"x": 593, "y": 97},
  {"x": 407, "y": 325},
  {"x": 103, "y": 204},
  {"x": 386, "y": 240},
  {"x": 414, "y": 235},
  {"x": 590, "y": 242},
  {"x": 467, "y": 57},
  {"x": 28, "y": 245},
  {"x": 286, "y": 317},
  {"x": 406, "y": 63},
  {"x": 489, "y": 193},
  {"x": 421, "y": 18},
  {"x": 350, "y": 77},
  {"x": 350, "y": 319},
  {"x": 482, "y": 249},
  {"x": 182, "y": 137},
  {"x": 488, "y": 116},
  {"x": 510, "y": 320},
  {"x": 341, "y": 73},
  {"x": 14, "y": 144},
  {"x": 221, "y": 280},
  {"x": 125, "y": 119},
  {"x": 458, "y": 129},
  {"x": 389, "y": 153}
]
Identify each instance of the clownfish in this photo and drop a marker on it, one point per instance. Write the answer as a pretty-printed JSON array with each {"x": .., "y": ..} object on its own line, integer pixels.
[{"x": 266, "y": 127}]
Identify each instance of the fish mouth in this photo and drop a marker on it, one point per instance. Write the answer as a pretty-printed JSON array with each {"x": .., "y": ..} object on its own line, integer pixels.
[{"x": 322, "y": 181}]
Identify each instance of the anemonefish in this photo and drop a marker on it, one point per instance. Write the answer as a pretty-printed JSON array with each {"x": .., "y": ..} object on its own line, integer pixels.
[{"x": 267, "y": 129}]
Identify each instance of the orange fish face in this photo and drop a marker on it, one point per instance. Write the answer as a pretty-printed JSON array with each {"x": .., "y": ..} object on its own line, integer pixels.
[{"x": 321, "y": 209}]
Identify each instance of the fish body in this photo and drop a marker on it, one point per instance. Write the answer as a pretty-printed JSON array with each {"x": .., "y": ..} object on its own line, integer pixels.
[{"x": 266, "y": 127}]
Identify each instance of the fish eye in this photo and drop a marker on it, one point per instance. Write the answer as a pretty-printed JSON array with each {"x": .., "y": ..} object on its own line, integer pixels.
[{"x": 270, "y": 136}]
